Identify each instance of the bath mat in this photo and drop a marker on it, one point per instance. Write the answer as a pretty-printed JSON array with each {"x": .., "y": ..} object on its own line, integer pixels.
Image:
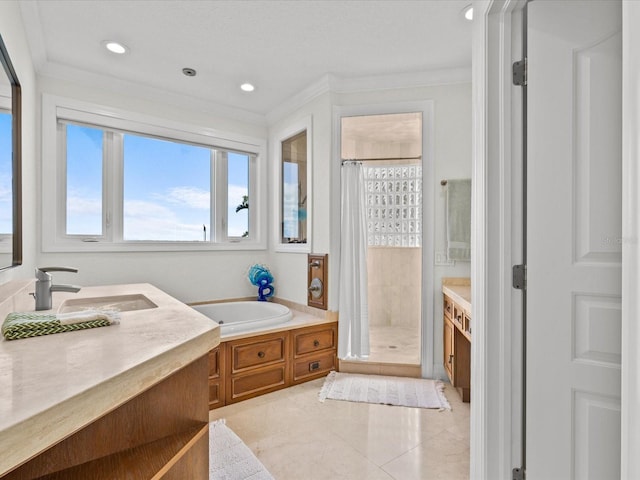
[
  {"x": 230, "y": 458},
  {"x": 400, "y": 391}
]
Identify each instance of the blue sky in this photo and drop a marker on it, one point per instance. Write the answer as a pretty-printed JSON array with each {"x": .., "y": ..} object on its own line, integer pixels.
[
  {"x": 166, "y": 187},
  {"x": 6, "y": 211}
]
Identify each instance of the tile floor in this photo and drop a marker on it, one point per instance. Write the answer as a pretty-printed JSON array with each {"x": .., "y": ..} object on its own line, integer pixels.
[
  {"x": 394, "y": 344},
  {"x": 297, "y": 437}
]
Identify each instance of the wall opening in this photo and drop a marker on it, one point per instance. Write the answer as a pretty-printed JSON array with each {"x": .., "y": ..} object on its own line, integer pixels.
[{"x": 390, "y": 149}]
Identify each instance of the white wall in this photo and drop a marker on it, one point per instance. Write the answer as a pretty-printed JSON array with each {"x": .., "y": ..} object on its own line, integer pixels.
[
  {"x": 290, "y": 269},
  {"x": 14, "y": 37},
  {"x": 189, "y": 276}
]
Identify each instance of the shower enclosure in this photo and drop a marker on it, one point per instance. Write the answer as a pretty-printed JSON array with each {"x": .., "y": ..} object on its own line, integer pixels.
[{"x": 390, "y": 149}]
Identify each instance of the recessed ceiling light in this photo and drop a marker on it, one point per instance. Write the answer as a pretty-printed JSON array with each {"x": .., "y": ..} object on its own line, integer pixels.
[
  {"x": 189, "y": 72},
  {"x": 468, "y": 12},
  {"x": 247, "y": 87},
  {"x": 115, "y": 47}
]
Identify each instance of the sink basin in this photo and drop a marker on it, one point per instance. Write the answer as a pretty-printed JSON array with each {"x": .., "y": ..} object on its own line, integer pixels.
[{"x": 121, "y": 303}]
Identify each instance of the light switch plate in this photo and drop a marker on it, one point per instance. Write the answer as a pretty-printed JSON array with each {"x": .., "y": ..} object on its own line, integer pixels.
[{"x": 443, "y": 261}]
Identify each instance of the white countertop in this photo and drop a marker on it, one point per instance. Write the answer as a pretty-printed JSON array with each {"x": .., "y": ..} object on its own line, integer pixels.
[{"x": 54, "y": 385}]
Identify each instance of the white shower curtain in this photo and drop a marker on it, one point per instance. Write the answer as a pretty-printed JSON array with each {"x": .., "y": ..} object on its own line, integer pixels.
[{"x": 353, "y": 323}]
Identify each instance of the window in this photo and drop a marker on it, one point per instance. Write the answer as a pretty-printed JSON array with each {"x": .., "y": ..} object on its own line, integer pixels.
[
  {"x": 294, "y": 189},
  {"x": 123, "y": 184},
  {"x": 84, "y": 180},
  {"x": 167, "y": 194},
  {"x": 293, "y": 182}
]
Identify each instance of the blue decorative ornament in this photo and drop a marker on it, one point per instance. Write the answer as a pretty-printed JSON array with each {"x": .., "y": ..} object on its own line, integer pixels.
[{"x": 261, "y": 277}]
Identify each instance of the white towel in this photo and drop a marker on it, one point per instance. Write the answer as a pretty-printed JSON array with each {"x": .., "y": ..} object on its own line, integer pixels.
[
  {"x": 112, "y": 316},
  {"x": 458, "y": 219}
]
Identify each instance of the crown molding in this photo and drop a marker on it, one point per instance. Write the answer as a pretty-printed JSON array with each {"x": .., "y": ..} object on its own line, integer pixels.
[
  {"x": 33, "y": 28},
  {"x": 317, "y": 88},
  {"x": 335, "y": 84},
  {"x": 146, "y": 92}
]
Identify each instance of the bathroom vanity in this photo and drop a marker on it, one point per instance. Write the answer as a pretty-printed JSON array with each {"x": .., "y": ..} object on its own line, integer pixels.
[
  {"x": 457, "y": 334},
  {"x": 123, "y": 401}
]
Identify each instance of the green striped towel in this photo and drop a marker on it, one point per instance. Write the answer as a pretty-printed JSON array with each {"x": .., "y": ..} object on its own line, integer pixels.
[{"x": 29, "y": 324}]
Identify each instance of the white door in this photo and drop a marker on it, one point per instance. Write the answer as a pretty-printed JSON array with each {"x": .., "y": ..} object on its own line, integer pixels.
[{"x": 574, "y": 129}]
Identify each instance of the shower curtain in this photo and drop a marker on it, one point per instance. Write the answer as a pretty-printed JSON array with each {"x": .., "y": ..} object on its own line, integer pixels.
[{"x": 353, "y": 322}]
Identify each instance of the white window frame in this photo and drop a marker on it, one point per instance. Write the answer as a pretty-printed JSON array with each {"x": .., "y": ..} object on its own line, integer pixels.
[
  {"x": 55, "y": 238},
  {"x": 286, "y": 133}
]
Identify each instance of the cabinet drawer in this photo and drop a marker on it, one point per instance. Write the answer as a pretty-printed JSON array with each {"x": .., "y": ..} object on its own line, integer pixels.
[
  {"x": 216, "y": 394},
  {"x": 253, "y": 384},
  {"x": 258, "y": 353},
  {"x": 448, "y": 307},
  {"x": 314, "y": 366},
  {"x": 458, "y": 313},
  {"x": 466, "y": 324},
  {"x": 313, "y": 341}
]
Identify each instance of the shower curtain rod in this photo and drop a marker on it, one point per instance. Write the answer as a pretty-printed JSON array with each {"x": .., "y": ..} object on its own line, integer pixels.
[{"x": 378, "y": 159}]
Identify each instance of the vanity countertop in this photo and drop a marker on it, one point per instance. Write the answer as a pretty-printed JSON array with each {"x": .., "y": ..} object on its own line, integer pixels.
[
  {"x": 55, "y": 385},
  {"x": 459, "y": 290}
]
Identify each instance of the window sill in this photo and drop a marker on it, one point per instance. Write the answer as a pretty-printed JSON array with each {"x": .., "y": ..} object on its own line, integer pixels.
[{"x": 97, "y": 247}]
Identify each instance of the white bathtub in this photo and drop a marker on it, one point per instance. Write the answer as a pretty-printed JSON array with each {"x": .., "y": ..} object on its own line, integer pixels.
[{"x": 242, "y": 317}]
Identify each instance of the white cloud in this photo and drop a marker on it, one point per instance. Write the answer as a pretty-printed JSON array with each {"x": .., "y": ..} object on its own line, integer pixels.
[
  {"x": 236, "y": 192},
  {"x": 192, "y": 197},
  {"x": 151, "y": 221}
]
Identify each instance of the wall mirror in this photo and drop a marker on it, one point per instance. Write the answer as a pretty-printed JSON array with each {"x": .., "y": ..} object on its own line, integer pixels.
[
  {"x": 294, "y": 179},
  {"x": 10, "y": 164}
]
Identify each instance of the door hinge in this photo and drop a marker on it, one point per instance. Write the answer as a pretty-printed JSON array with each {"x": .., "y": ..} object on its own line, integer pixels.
[
  {"x": 519, "y": 277},
  {"x": 520, "y": 73},
  {"x": 517, "y": 474}
]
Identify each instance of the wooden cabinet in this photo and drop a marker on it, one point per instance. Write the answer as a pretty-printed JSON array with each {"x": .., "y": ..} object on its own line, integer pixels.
[
  {"x": 163, "y": 433},
  {"x": 457, "y": 346},
  {"x": 314, "y": 352},
  {"x": 247, "y": 367}
]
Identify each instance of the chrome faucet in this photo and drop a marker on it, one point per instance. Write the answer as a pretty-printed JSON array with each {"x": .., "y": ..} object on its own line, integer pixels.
[{"x": 44, "y": 286}]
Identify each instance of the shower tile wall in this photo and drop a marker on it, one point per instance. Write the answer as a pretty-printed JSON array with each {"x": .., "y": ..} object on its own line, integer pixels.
[{"x": 394, "y": 286}]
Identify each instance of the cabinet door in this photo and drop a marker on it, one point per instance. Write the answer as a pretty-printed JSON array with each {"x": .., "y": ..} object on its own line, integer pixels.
[
  {"x": 448, "y": 336},
  {"x": 216, "y": 383}
]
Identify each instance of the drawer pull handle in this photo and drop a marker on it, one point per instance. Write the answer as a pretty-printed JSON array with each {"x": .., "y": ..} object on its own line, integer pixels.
[
  {"x": 316, "y": 343},
  {"x": 314, "y": 366},
  {"x": 261, "y": 354}
]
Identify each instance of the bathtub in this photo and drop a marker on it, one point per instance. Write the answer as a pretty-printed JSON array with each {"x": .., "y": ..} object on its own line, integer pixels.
[{"x": 243, "y": 317}]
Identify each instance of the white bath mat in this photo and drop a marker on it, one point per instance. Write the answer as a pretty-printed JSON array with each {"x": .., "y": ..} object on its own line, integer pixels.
[
  {"x": 230, "y": 458},
  {"x": 401, "y": 391}
]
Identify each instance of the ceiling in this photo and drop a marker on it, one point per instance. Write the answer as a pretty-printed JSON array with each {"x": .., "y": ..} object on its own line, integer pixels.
[{"x": 282, "y": 47}]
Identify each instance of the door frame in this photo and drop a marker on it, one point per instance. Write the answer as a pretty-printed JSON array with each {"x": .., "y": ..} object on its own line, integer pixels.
[
  {"x": 496, "y": 350},
  {"x": 426, "y": 107}
]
